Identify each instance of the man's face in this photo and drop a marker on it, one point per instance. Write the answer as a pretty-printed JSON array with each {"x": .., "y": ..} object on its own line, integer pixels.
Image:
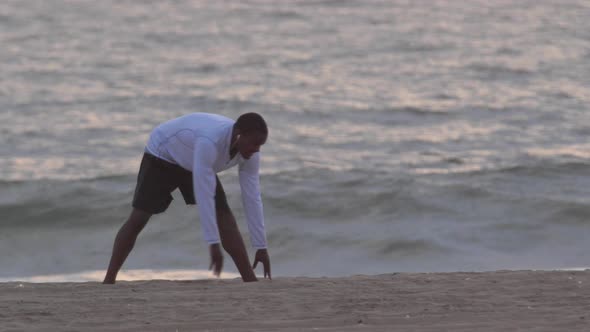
[{"x": 249, "y": 144}]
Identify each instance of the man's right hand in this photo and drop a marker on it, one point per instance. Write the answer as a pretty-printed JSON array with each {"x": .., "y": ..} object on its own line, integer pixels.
[{"x": 216, "y": 259}]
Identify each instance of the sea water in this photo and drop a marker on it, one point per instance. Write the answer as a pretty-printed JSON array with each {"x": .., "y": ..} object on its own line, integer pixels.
[{"x": 404, "y": 135}]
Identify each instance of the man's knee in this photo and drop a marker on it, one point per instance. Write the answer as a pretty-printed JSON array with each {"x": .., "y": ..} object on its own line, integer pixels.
[
  {"x": 137, "y": 220},
  {"x": 226, "y": 222},
  {"x": 222, "y": 210},
  {"x": 221, "y": 205}
]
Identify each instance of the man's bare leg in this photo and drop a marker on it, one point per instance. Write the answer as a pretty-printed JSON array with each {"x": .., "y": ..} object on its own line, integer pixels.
[
  {"x": 124, "y": 242},
  {"x": 232, "y": 242}
]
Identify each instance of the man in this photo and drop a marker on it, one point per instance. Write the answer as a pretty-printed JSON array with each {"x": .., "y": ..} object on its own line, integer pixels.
[{"x": 186, "y": 153}]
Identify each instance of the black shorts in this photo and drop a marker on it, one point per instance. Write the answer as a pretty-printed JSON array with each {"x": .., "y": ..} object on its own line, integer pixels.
[{"x": 158, "y": 178}]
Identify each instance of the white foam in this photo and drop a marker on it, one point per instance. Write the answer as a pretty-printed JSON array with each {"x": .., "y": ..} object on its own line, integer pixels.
[{"x": 127, "y": 275}]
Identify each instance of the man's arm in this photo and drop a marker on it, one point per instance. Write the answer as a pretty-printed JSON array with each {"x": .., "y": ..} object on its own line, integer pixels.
[
  {"x": 204, "y": 184},
  {"x": 252, "y": 200}
]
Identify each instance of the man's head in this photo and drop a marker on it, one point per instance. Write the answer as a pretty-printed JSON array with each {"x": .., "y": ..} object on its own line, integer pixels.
[{"x": 251, "y": 133}]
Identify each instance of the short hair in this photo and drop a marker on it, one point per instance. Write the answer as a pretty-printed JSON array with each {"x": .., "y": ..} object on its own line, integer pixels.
[{"x": 251, "y": 122}]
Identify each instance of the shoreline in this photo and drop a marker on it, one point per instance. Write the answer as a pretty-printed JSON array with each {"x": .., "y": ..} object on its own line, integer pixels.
[
  {"x": 124, "y": 275},
  {"x": 456, "y": 301},
  {"x": 200, "y": 274}
]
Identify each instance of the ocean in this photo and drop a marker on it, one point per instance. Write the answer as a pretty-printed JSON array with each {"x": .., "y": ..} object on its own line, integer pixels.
[{"x": 405, "y": 136}]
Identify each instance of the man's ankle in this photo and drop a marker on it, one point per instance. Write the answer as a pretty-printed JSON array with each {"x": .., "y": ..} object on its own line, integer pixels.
[{"x": 108, "y": 281}]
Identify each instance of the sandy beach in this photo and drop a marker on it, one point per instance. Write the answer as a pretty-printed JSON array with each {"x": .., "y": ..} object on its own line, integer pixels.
[{"x": 488, "y": 301}]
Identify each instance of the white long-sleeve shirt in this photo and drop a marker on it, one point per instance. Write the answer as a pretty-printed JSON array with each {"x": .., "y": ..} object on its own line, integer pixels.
[{"x": 200, "y": 143}]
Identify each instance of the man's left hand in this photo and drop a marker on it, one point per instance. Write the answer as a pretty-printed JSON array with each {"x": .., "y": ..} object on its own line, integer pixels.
[{"x": 262, "y": 257}]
